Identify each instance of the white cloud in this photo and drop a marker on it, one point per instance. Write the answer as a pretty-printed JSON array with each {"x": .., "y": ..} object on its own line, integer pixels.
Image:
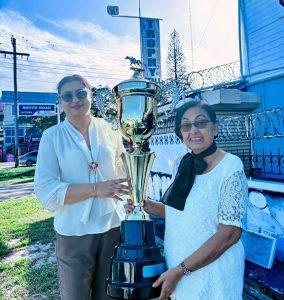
[
  {"x": 96, "y": 54},
  {"x": 99, "y": 54}
]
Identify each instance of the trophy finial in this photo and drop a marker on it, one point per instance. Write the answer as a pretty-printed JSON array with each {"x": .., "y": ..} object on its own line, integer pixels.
[{"x": 136, "y": 66}]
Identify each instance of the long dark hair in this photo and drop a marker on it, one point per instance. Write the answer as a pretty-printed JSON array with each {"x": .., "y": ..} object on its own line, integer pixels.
[{"x": 181, "y": 111}]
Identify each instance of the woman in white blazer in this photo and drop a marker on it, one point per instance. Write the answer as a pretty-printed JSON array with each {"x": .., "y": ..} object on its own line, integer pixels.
[{"x": 79, "y": 177}]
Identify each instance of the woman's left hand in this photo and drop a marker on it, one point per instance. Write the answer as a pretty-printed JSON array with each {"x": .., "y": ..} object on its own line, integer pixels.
[{"x": 168, "y": 280}]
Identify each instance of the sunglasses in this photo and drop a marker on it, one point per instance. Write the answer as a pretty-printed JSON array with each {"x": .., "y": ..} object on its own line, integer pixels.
[
  {"x": 185, "y": 127},
  {"x": 80, "y": 94}
]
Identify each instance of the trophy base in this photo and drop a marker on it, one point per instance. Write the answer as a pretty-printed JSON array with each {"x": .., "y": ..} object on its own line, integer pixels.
[
  {"x": 123, "y": 292},
  {"x": 137, "y": 262},
  {"x": 137, "y": 214}
]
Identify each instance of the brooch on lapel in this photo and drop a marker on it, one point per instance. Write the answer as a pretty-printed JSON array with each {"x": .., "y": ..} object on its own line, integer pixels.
[{"x": 93, "y": 166}]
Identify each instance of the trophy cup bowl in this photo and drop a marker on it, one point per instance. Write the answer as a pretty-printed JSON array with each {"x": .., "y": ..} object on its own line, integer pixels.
[{"x": 137, "y": 261}]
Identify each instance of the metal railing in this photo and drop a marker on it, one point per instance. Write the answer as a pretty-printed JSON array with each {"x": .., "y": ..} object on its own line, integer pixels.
[
  {"x": 263, "y": 124},
  {"x": 261, "y": 166},
  {"x": 210, "y": 77},
  {"x": 218, "y": 76}
]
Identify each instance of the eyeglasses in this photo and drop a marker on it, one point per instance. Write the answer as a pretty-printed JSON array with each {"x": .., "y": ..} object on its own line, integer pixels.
[
  {"x": 81, "y": 94},
  {"x": 185, "y": 127}
]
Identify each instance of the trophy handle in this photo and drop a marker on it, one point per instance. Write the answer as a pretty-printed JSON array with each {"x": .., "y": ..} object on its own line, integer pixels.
[
  {"x": 106, "y": 104},
  {"x": 138, "y": 167}
]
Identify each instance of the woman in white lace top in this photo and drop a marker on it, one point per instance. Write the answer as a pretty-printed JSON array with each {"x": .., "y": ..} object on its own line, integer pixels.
[{"x": 203, "y": 210}]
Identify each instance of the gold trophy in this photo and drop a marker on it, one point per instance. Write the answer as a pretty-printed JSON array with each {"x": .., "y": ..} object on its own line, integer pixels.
[{"x": 137, "y": 261}]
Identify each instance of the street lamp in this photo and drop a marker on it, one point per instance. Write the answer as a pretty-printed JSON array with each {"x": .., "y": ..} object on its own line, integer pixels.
[
  {"x": 114, "y": 12},
  {"x": 150, "y": 55}
]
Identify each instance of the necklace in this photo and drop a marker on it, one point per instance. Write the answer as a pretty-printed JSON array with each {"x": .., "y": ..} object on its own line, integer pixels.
[{"x": 93, "y": 166}]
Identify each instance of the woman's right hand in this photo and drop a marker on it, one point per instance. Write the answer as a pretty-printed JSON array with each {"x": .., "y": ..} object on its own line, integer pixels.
[
  {"x": 113, "y": 188},
  {"x": 149, "y": 206},
  {"x": 154, "y": 208}
]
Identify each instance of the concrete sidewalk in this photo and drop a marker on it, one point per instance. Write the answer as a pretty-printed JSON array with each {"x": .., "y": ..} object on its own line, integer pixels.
[
  {"x": 6, "y": 165},
  {"x": 16, "y": 190}
]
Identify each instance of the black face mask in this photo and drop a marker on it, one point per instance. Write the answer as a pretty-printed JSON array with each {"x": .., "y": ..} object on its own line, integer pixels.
[{"x": 190, "y": 166}]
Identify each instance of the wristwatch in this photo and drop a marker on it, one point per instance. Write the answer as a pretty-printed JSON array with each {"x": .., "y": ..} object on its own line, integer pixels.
[{"x": 185, "y": 269}]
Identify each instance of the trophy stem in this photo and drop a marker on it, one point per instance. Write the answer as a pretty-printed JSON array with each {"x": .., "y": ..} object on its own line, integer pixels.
[{"x": 138, "y": 166}]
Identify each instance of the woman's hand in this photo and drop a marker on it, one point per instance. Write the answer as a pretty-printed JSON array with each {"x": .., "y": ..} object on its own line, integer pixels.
[
  {"x": 129, "y": 207},
  {"x": 168, "y": 280},
  {"x": 149, "y": 206},
  {"x": 113, "y": 188}
]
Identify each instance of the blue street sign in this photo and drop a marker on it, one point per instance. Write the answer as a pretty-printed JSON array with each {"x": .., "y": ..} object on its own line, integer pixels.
[{"x": 31, "y": 109}]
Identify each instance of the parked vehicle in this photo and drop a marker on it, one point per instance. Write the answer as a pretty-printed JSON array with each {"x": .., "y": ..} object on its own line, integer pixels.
[{"x": 28, "y": 159}]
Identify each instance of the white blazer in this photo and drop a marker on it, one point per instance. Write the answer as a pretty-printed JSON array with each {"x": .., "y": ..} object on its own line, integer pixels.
[{"x": 64, "y": 159}]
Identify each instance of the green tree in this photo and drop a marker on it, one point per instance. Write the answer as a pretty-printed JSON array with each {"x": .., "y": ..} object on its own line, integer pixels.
[
  {"x": 176, "y": 67},
  {"x": 42, "y": 123}
]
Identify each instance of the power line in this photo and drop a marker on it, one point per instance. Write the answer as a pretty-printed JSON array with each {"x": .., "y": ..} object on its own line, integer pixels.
[
  {"x": 64, "y": 73},
  {"x": 210, "y": 18},
  {"x": 3, "y": 76},
  {"x": 123, "y": 62},
  {"x": 42, "y": 65},
  {"x": 52, "y": 44},
  {"x": 72, "y": 69}
]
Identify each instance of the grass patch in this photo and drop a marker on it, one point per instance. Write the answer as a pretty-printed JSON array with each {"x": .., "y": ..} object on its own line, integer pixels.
[
  {"x": 21, "y": 280},
  {"x": 17, "y": 175},
  {"x": 26, "y": 220}
]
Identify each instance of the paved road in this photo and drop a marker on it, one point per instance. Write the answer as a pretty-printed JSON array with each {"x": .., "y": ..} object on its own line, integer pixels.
[{"x": 16, "y": 190}]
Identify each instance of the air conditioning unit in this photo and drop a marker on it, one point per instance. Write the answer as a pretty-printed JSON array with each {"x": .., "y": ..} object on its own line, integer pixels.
[{"x": 229, "y": 96}]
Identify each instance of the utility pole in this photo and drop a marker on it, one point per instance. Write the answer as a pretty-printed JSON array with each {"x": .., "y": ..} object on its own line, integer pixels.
[
  {"x": 58, "y": 111},
  {"x": 140, "y": 36},
  {"x": 16, "y": 97},
  {"x": 191, "y": 36}
]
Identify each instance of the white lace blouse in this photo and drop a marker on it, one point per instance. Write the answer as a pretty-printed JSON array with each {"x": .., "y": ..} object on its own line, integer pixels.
[{"x": 219, "y": 196}]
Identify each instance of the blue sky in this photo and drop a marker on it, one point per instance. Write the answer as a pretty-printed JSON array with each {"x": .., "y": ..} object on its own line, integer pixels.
[
  {"x": 40, "y": 11},
  {"x": 66, "y": 37}
]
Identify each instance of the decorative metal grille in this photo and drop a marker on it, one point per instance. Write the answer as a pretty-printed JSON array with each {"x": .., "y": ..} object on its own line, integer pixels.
[
  {"x": 268, "y": 166},
  {"x": 166, "y": 139},
  {"x": 264, "y": 124}
]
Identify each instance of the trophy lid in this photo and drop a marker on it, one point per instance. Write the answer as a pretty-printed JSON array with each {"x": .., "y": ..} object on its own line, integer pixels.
[{"x": 137, "y": 85}]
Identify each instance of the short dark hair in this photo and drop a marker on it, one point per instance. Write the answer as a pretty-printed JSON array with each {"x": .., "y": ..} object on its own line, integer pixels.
[
  {"x": 181, "y": 111},
  {"x": 70, "y": 78}
]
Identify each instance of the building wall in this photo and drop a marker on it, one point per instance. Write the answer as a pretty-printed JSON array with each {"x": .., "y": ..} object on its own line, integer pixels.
[
  {"x": 262, "y": 55},
  {"x": 262, "y": 39},
  {"x": 7, "y": 101},
  {"x": 271, "y": 93}
]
